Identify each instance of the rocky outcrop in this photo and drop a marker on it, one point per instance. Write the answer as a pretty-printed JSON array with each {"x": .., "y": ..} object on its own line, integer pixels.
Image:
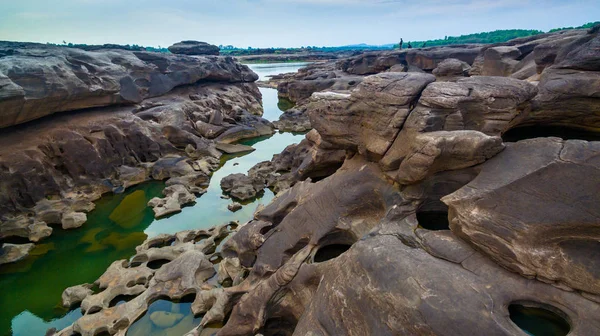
[
  {"x": 539, "y": 226},
  {"x": 65, "y": 79},
  {"x": 194, "y": 48},
  {"x": 369, "y": 119},
  {"x": 407, "y": 210},
  {"x": 75, "y": 157},
  {"x": 184, "y": 268}
]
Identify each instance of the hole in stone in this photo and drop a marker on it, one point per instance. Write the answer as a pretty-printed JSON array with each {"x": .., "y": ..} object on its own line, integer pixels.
[
  {"x": 265, "y": 229},
  {"x": 536, "y": 320},
  {"x": 201, "y": 237},
  {"x": 14, "y": 240},
  {"x": 330, "y": 251},
  {"x": 433, "y": 220},
  {"x": 162, "y": 243},
  {"x": 102, "y": 333},
  {"x": 156, "y": 264},
  {"x": 166, "y": 317},
  {"x": 94, "y": 310},
  {"x": 565, "y": 133},
  {"x": 120, "y": 299},
  {"x": 279, "y": 326},
  {"x": 215, "y": 258}
]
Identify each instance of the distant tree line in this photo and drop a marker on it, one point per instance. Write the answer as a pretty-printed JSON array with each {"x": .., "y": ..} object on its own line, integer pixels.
[
  {"x": 496, "y": 36},
  {"x": 585, "y": 26},
  {"x": 90, "y": 47}
]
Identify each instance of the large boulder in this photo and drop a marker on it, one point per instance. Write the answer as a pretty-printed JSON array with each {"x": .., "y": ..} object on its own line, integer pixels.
[
  {"x": 569, "y": 90},
  {"x": 369, "y": 118},
  {"x": 194, "y": 48},
  {"x": 465, "y": 120}
]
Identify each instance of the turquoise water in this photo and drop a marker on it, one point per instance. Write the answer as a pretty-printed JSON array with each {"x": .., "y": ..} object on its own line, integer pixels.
[{"x": 30, "y": 290}]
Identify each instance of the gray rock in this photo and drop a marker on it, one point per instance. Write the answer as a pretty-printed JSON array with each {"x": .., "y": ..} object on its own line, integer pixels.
[
  {"x": 73, "y": 220},
  {"x": 194, "y": 48},
  {"x": 10, "y": 253},
  {"x": 235, "y": 206}
]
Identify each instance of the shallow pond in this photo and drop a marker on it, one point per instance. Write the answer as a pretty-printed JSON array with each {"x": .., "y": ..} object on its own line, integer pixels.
[{"x": 31, "y": 289}]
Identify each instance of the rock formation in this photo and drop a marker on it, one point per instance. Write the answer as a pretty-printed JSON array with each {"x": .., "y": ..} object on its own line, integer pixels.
[
  {"x": 423, "y": 202},
  {"x": 114, "y": 118},
  {"x": 194, "y": 48}
]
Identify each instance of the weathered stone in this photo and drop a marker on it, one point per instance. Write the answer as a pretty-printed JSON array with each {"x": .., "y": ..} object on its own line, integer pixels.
[
  {"x": 75, "y": 295},
  {"x": 235, "y": 206},
  {"x": 110, "y": 77},
  {"x": 451, "y": 69},
  {"x": 369, "y": 119},
  {"x": 234, "y": 148},
  {"x": 73, "y": 220},
  {"x": 524, "y": 212},
  {"x": 194, "y": 48},
  {"x": 176, "y": 196},
  {"x": 10, "y": 253}
]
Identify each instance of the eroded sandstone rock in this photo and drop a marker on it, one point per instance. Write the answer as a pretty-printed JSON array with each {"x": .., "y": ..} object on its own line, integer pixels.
[{"x": 524, "y": 212}]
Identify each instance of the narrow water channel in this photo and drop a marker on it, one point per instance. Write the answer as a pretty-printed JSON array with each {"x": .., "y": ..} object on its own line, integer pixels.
[{"x": 30, "y": 290}]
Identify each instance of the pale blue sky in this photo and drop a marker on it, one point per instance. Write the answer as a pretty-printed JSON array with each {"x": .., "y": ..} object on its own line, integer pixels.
[{"x": 265, "y": 23}]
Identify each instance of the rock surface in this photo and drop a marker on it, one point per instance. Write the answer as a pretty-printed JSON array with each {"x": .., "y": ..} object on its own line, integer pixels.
[
  {"x": 10, "y": 253},
  {"x": 76, "y": 157},
  {"x": 73, "y": 79},
  {"x": 407, "y": 210},
  {"x": 194, "y": 48}
]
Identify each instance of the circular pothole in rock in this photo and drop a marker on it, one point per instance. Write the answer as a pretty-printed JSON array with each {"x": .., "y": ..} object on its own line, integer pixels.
[
  {"x": 539, "y": 320},
  {"x": 433, "y": 220},
  {"x": 121, "y": 299},
  {"x": 165, "y": 317},
  {"x": 329, "y": 252}
]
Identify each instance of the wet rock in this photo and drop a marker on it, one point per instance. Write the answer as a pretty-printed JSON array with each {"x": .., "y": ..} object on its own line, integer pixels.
[
  {"x": 194, "y": 48},
  {"x": 75, "y": 295},
  {"x": 26, "y": 227},
  {"x": 234, "y": 148},
  {"x": 176, "y": 196},
  {"x": 294, "y": 120},
  {"x": 73, "y": 220},
  {"x": 235, "y": 206},
  {"x": 240, "y": 186},
  {"x": 10, "y": 253},
  {"x": 132, "y": 176},
  {"x": 186, "y": 270}
]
